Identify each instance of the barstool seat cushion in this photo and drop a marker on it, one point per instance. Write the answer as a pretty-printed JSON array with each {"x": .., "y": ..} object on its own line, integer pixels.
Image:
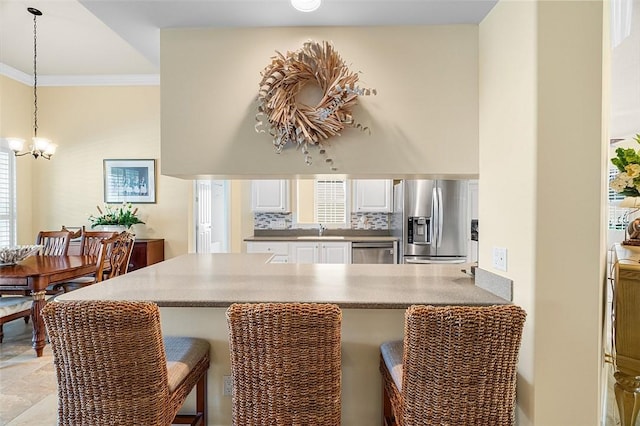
[
  {"x": 183, "y": 354},
  {"x": 392, "y": 357}
]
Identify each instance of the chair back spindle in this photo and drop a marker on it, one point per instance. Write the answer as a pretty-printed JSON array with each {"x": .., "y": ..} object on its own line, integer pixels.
[
  {"x": 114, "y": 255},
  {"x": 55, "y": 243}
]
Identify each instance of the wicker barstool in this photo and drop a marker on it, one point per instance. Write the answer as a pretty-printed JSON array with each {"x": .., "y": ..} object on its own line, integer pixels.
[
  {"x": 114, "y": 367},
  {"x": 457, "y": 366},
  {"x": 285, "y": 363}
]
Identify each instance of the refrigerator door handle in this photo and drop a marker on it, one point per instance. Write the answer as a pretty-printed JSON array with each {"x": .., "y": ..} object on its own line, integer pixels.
[
  {"x": 440, "y": 217},
  {"x": 434, "y": 218}
]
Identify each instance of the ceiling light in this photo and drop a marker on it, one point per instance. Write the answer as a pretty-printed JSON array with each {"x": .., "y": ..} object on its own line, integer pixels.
[
  {"x": 306, "y": 5},
  {"x": 40, "y": 147}
]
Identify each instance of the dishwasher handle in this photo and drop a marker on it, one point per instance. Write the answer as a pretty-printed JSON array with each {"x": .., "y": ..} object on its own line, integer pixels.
[{"x": 374, "y": 244}]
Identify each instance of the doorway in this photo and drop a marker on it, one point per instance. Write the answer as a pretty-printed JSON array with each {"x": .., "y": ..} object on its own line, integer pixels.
[{"x": 211, "y": 207}]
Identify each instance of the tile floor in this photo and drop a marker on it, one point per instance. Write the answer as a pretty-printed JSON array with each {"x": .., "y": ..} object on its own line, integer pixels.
[{"x": 28, "y": 384}]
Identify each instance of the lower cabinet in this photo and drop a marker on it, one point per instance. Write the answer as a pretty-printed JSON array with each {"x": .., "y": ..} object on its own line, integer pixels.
[
  {"x": 146, "y": 252},
  {"x": 280, "y": 250},
  {"x": 320, "y": 252}
]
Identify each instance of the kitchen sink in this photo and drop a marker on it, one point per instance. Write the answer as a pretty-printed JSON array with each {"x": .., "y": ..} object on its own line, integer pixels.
[{"x": 321, "y": 237}]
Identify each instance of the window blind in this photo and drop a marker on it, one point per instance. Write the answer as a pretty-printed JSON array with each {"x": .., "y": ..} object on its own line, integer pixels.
[
  {"x": 618, "y": 217},
  {"x": 7, "y": 198},
  {"x": 330, "y": 201}
]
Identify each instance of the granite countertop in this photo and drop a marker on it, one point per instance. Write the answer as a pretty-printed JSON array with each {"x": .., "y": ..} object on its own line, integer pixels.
[
  {"x": 346, "y": 238},
  {"x": 352, "y": 235},
  {"x": 217, "y": 280}
]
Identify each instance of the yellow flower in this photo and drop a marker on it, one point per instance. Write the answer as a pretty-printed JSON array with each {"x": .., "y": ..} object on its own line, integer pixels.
[{"x": 633, "y": 170}]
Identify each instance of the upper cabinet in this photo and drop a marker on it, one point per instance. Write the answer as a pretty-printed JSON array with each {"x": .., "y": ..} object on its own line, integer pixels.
[
  {"x": 270, "y": 195},
  {"x": 373, "y": 195}
]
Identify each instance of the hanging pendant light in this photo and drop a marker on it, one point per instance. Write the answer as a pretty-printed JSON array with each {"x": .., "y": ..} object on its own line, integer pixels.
[{"x": 40, "y": 147}]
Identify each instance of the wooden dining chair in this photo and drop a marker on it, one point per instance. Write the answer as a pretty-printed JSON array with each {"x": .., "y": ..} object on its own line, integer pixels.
[
  {"x": 90, "y": 245},
  {"x": 285, "y": 363},
  {"x": 91, "y": 241},
  {"x": 114, "y": 367},
  {"x": 456, "y": 366},
  {"x": 114, "y": 256},
  {"x": 54, "y": 243},
  {"x": 13, "y": 308}
]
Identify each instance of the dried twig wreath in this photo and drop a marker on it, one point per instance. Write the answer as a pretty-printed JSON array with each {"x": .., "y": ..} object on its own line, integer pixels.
[{"x": 290, "y": 121}]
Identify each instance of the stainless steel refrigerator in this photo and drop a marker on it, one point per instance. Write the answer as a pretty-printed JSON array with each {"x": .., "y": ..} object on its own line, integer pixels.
[{"x": 430, "y": 220}]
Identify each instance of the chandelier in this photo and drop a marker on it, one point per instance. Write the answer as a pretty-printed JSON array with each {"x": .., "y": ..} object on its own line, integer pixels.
[{"x": 40, "y": 147}]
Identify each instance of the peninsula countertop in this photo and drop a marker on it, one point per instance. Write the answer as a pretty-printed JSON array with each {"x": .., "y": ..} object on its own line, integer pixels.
[
  {"x": 218, "y": 280},
  {"x": 324, "y": 238}
]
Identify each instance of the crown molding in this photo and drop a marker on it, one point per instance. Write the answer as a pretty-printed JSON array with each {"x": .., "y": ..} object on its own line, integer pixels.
[
  {"x": 15, "y": 74},
  {"x": 82, "y": 80}
]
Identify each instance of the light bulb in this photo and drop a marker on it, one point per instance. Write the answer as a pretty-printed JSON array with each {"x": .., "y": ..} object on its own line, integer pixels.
[
  {"x": 41, "y": 144},
  {"x": 15, "y": 144},
  {"x": 51, "y": 149},
  {"x": 306, "y": 5}
]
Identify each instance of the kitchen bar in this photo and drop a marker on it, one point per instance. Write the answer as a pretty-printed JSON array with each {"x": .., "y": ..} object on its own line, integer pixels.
[{"x": 194, "y": 291}]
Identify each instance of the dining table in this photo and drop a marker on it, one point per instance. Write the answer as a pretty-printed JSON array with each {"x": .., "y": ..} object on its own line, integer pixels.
[{"x": 33, "y": 275}]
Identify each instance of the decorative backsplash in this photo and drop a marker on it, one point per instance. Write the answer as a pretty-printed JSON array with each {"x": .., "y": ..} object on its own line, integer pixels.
[
  {"x": 272, "y": 220},
  {"x": 372, "y": 221}
]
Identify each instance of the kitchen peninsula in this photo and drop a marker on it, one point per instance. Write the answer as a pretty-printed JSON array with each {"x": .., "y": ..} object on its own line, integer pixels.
[{"x": 194, "y": 291}]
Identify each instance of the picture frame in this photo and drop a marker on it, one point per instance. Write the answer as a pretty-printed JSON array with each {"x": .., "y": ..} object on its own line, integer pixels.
[{"x": 130, "y": 181}]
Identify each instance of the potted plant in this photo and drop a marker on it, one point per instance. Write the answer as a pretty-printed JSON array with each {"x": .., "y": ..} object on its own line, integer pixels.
[{"x": 122, "y": 217}]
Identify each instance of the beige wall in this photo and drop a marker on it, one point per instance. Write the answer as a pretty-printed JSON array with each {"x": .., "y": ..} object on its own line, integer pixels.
[
  {"x": 542, "y": 168},
  {"x": 16, "y": 120},
  {"x": 91, "y": 124},
  {"x": 424, "y": 120}
]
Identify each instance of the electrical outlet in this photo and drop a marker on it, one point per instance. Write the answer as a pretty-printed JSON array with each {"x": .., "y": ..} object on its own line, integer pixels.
[
  {"x": 227, "y": 386},
  {"x": 500, "y": 258}
]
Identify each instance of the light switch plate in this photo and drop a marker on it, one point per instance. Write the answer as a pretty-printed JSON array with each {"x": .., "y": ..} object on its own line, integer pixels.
[
  {"x": 227, "y": 387},
  {"x": 500, "y": 258}
]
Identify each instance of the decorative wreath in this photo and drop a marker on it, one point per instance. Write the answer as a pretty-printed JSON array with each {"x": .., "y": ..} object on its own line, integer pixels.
[{"x": 290, "y": 121}]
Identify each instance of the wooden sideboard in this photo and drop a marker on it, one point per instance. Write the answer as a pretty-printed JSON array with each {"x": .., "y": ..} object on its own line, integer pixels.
[
  {"x": 145, "y": 252},
  {"x": 626, "y": 332}
]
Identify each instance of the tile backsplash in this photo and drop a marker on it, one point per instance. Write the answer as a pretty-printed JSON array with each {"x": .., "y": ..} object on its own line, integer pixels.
[{"x": 372, "y": 221}]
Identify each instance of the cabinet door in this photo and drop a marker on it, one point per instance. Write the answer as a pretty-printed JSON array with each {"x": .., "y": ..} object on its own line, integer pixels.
[
  {"x": 335, "y": 253},
  {"x": 280, "y": 250},
  {"x": 270, "y": 195},
  {"x": 304, "y": 252},
  {"x": 372, "y": 195},
  {"x": 272, "y": 247}
]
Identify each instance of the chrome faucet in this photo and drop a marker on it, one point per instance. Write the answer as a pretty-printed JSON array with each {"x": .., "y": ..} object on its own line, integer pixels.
[{"x": 321, "y": 229}]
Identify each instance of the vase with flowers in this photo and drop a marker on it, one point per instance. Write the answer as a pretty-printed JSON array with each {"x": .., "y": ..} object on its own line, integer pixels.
[
  {"x": 122, "y": 217},
  {"x": 627, "y": 183}
]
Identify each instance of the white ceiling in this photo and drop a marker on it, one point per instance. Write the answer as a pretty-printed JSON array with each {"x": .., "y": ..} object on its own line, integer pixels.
[{"x": 122, "y": 37}]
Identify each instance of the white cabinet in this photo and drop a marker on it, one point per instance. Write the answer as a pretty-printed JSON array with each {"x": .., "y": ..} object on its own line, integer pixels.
[
  {"x": 372, "y": 195},
  {"x": 280, "y": 250},
  {"x": 270, "y": 196},
  {"x": 308, "y": 252},
  {"x": 320, "y": 252},
  {"x": 335, "y": 253}
]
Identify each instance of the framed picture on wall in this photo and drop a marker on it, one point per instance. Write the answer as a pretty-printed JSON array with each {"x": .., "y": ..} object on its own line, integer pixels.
[{"x": 130, "y": 181}]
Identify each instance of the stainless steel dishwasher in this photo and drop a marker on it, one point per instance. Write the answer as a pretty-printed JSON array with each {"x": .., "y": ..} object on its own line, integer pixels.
[{"x": 373, "y": 252}]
